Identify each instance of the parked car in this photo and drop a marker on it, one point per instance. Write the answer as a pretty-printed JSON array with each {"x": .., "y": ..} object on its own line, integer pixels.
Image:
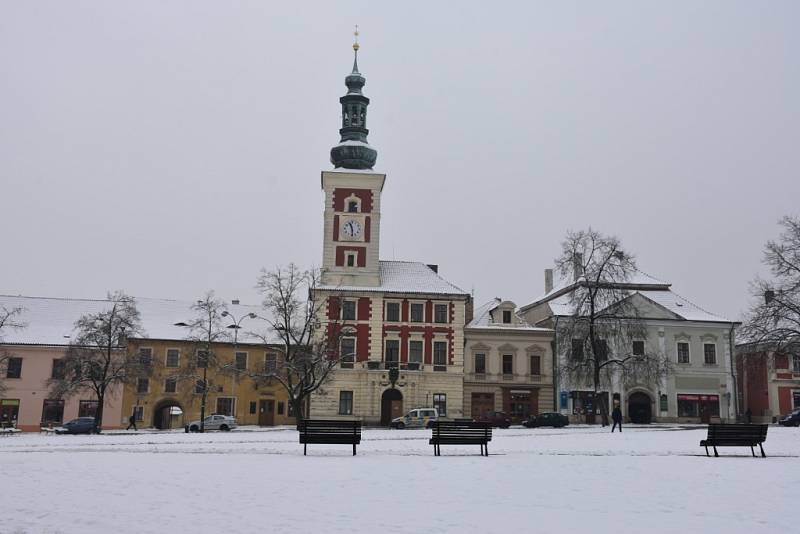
[
  {"x": 81, "y": 425},
  {"x": 213, "y": 422},
  {"x": 500, "y": 419},
  {"x": 417, "y": 418},
  {"x": 793, "y": 419},
  {"x": 556, "y": 420}
]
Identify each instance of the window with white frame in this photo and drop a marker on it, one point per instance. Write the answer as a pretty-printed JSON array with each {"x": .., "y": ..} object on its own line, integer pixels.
[
  {"x": 536, "y": 365},
  {"x": 351, "y": 259},
  {"x": 349, "y": 310},
  {"x": 796, "y": 363},
  {"x": 392, "y": 353},
  {"x": 142, "y": 385},
  {"x": 347, "y": 352},
  {"x": 683, "y": 352},
  {"x": 506, "y": 316},
  {"x": 270, "y": 362},
  {"x": 508, "y": 364},
  {"x": 440, "y": 403},
  {"x": 241, "y": 361},
  {"x": 417, "y": 312},
  {"x": 170, "y": 385},
  {"x": 173, "y": 358},
  {"x": 480, "y": 363},
  {"x": 345, "y": 403},
  {"x": 440, "y": 313},
  {"x": 439, "y": 355},
  {"x": 393, "y": 311},
  {"x": 709, "y": 353},
  {"x": 138, "y": 413},
  {"x": 145, "y": 356},
  {"x": 414, "y": 354},
  {"x": 226, "y": 406}
]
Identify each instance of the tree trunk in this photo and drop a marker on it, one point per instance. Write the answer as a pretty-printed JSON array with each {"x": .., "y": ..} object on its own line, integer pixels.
[
  {"x": 98, "y": 415},
  {"x": 297, "y": 409}
]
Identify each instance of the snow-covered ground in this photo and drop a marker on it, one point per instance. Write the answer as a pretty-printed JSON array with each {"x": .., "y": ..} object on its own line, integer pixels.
[{"x": 648, "y": 479}]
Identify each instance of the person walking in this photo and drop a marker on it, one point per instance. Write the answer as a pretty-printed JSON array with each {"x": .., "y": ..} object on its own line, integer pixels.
[
  {"x": 616, "y": 416},
  {"x": 132, "y": 422}
]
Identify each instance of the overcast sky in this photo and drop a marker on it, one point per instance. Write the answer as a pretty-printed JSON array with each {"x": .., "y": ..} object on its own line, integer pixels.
[{"x": 167, "y": 148}]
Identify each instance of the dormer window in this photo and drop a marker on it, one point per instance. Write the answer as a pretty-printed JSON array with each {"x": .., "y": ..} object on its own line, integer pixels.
[{"x": 506, "y": 316}]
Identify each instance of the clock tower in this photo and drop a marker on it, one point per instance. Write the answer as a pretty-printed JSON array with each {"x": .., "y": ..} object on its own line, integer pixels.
[{"x": 352, "y": 196}]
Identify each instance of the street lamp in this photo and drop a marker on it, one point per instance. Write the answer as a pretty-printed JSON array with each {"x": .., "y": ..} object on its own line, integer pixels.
[
  {"x": 205, "y": 385},
  {"x": 237, "y": 324}
]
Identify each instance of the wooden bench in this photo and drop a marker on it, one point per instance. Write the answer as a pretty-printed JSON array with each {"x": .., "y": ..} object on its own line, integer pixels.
[
  {"x": 329, "y": 432},
  {"x": 735, "y": 435},
  {"x": 460, "y": 433}
]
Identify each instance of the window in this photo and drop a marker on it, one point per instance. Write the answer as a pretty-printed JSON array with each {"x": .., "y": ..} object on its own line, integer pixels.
[
  {"x": 351, "y": 259},
  {"x": 138, "y": 413},
  {"x": 602, "y": 350},
  {"x": 440, "y": 403},
  {"x": 480, "y": 363},
  {"x": 199, "y": 386},
  {"x": 440, "y": 313},
  {"x": 225, "y": 406},
  {"x": 352, "y": 206},
  {"x": 796, "y": 363},
  {"x": 142, "y": 385},
  {"x": 345, "y": 403},
  {"x": 414, "y": 354},
  {"x": 87, "y": 408},
  {"x": 173, "y": 356},
  {"x": 280, "y": 407},
  {"x": 577, "y": 350},
  {"x": 683, "y": 352},
  {"x": 536, "y": 365},
  {"x": 170, "y": 385},
  {"x": 145, "y": 356},
  {"x": 508, "y": 364},
  {"x": 663, "y": 402},
  {"x": 270, "y": 362},
  {"x": 417, "y": 312},
  {"x": 349, "y": 310},
  {"x": 392, "y": 356},
  {"x": 252, "y": 407},
  {"x": 710, "y": 353},
  {"x": 439, "y": 355},
  {"x": 59, "y": 369},
  {"x": 241, "y": 361},
  {"x": 507, "y": 316},
  {"x": 52, "y": 411},
  {"x": 638, "y": 348},
  {"x": 14, "y": 368},
  {"x": 393, "y": 311},
  {"x": 202, "y": 358},
  {"x": 347, "y": 352}
]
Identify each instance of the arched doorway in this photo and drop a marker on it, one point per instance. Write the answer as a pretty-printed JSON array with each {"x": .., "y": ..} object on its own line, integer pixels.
[
  {"x": 639, "y": 408},
  {"x": 391, "y": 405},
  {"x": 168, "y": 414}
]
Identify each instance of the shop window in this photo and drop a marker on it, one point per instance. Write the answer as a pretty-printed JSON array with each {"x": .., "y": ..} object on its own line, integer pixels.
[
  {"x": 349, "y": 310},
  {"x": 683, "y": 352},
  {"x": 417, "y": 312},
  {"x": 393, "y": 311},
  {"x": 59, "y": 369},
  {"x": 225, "y": 406},
  {"x": 170, "y": 385},
  {"x": 347, "y": 352},
  {"x": 173, "y": 356},
  {"x": 87, "y": 408},
  {"x": 252, "y": 407},
  {"x": 439, "y": 355},
  {"x": 480, "y": 363},
  {"x": 414, "y": 355},
  {"x": 392, "y": 354},
  {"x": 9, "y": 412},
  {"x": 52, "y": 411},
  {"x": 241, "y": 361},
  {"x": 142, "y": 385},
  {"x": 440, "y": 403},
  {"x": 710, "y": 353},
  {"x": 638, "y": 348},
  {"x": 508, "y": 364},
  {"x": 145, "y": 356},
  {"x": 13, "y": 367},
  {"x": 440, "y": 313},
  {"x": 345, "y": 403},
  {"x": 536, "y": 365}
]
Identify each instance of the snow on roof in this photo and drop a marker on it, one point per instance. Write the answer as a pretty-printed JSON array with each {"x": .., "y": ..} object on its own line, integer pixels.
[
  {"x": 51, "y": 321},
  {"x": 405, "y": 277},
  {"x": 482, "y": 318}
]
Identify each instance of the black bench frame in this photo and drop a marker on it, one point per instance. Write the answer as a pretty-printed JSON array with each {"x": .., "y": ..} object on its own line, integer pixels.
[
  {"x": 333, "y": 431},
  {"x": 460, "y": 433},
  {"x": 735, "y": 435}
]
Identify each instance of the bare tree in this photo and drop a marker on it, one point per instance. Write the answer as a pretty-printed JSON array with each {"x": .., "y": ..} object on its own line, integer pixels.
[
  {"x": 205, "y": 330},
  {"x": 309, "y": 353},
  {"x": 603, "y": 322},
  {"x": 96, "y": 359},
  {"x": 9, "y": 320},
  {"x": 773, "y": 321}
]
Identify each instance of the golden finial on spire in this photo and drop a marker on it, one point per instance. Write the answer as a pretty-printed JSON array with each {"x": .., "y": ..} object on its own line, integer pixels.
[{"x": 355, "y": 42}]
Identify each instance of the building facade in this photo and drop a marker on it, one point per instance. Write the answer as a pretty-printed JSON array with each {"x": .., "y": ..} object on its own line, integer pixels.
[
  {"x": 699, "y": 345},
  {"x": 508, "y": 364},
  {"x": 769, "y": 381}
]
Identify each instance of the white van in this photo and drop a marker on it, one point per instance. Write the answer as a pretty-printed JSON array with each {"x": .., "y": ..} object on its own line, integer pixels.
[{"x": 417, "y": 418}]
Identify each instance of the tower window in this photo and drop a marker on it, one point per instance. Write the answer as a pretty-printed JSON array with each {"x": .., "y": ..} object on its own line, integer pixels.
[
  {"x": 351, "y": 259},
  {"x": 352, "y": 206}
]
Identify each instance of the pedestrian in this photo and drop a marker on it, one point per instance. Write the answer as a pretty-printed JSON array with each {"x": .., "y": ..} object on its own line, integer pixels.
[
  {"x": 749, "y": 415},
  {"x": 616, "y": 416},
  {"x": 132, "y": 422}
]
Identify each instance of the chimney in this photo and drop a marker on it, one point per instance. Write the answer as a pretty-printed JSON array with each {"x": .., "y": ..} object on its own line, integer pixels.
[
  {"x": 577, "y": 265},
  {"x": 433, "y": 267},
  {"x": 548, "y": 280},
  {"x": 469, "y": 310}
]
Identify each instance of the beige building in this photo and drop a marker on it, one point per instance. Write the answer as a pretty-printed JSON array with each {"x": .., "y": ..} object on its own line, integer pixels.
[{"x": 508, "y": 364}]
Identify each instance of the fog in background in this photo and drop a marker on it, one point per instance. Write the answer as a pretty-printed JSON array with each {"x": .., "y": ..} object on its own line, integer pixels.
[{"x": 167, "y": 148}]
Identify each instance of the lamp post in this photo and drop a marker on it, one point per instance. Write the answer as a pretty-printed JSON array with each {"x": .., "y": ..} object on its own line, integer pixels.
[
  {"x": 205, "y": 384},
  {"x": 235, "y": 326}
]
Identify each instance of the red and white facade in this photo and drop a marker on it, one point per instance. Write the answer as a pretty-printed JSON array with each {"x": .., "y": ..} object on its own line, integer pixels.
[{"x": 769, "y": 382}]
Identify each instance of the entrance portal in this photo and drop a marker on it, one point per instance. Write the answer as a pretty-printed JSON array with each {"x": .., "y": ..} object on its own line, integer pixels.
[
  {"x": 391, "y": 405},
  {"x": 168, "y": 414},
  {"x": 266, "y": 412},
  {"x": 639, "y": 408}
]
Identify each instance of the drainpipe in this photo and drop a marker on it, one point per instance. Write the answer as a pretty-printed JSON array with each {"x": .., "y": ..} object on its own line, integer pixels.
[
  {"x": 735, "y": 394},
  {"x": 554, "y": 346}
]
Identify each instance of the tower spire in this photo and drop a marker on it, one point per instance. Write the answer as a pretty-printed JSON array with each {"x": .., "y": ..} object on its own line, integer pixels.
[{"x": 355, "y": 51}]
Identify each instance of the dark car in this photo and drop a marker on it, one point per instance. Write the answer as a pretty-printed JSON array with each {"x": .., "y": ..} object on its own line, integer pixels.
[
  {"x": 81, "y": 425},
  {"x": 556, "y": 420},
  {"x": 793, "y": 419},
  {"x": 500, "y": 419}
]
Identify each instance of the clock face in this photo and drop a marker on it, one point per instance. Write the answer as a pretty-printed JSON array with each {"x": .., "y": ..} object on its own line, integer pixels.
[{"x": 351, "y": 229}]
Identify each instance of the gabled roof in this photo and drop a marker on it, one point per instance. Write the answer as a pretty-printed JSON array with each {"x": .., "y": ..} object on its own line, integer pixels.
[
  {"x": 483, "y": 319},
  {"x": 405, "y": 277},
  {"x": 51, "y": 321}
]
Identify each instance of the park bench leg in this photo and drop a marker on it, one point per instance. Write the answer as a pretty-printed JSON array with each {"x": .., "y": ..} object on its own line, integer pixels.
[
  {"x": 305, "y": 446},
  {"x": 707, "y": 451},
  {"x": 716, "y": 454},
  {"x": 354, "y": 449},
  {"x": 486, "y": 448},
  {"x": 762, "y": 451},
  {"x": 752, "y": 451}
]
